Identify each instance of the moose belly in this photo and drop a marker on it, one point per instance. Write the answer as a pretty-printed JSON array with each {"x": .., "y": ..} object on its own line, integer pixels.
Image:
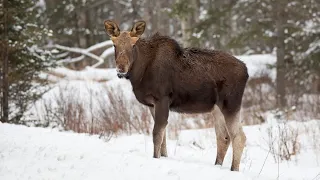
[
  {"x": 199, "y": 98},
  {"x": 197, "y": 107},
  {"x": 193, "y": 104}
]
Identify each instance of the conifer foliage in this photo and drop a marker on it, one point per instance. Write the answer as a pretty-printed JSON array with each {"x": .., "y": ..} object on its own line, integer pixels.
[{"x": 22, "y": 59}]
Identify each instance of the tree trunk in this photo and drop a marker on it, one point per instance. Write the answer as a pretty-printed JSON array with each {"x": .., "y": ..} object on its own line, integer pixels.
[
  {"x": 186, "y": 21},
  {"x": 5, "y": 83},
  {"x": 117, "y": 13},
  {"x": 185, "y": 29},
  {"x": 281, "y": 101},
  {"x": 147, "y": 14},
  {"x": 135, "y": 8},
  {"x": 195, "y": 4},
  {"x": 89, "y": 26},
  {"x": 82, "y": 25},
  {"x": 153, "y": 8}
]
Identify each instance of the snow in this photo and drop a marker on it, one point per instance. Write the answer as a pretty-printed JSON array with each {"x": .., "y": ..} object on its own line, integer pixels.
[
  {"x": 38, "y": 153},
  {"x": 257, "y": 64},
  {"x": 100, "y": 45},
  {"x": 88, "y": 74},
  {"x": 313, "y": 48},
  {"x": 107, "y": 52},
  {"x": 41, "y": 4}
]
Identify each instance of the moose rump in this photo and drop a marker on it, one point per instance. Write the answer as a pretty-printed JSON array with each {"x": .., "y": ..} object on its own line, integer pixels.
[{"x": 167, "y": 77}]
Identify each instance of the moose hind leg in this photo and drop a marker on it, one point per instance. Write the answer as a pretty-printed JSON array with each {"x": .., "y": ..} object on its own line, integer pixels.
[
  {"x": 158, "y": 137},
  {"x": 238, "y": 138},
  {"x": 222, "y": 136},
  {"x": 163, "y": 150},
  {"x": 223, "y": 142}
]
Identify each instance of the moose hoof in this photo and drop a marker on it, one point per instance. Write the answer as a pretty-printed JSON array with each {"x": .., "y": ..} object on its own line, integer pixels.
[
  {"x": 218, "y": 163},
  {"x": 234, "y": 169},
  {"x": 164, "y": 155}
]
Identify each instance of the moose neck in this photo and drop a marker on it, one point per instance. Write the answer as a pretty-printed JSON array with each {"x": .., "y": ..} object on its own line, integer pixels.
[{"x": 141, "y": 60}]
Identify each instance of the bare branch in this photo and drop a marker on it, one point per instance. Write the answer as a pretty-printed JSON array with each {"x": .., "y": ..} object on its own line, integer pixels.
[
  {"x": 82, "y": 51},
  {"x": 86, "y": 52}
]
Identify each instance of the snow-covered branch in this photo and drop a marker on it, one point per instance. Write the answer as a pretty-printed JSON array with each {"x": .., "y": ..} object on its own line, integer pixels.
[
  {"x": 107, "y": 52},
  {"x": 87, "y": 52}
]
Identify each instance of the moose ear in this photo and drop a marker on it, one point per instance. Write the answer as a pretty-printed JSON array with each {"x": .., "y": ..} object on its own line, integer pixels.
[
  {"x": 112, "y": 28},
  {"x": 138, "y": 29}
]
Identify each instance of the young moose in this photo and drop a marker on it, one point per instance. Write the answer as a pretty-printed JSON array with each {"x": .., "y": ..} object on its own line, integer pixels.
[{"x": 165, "y": 77}]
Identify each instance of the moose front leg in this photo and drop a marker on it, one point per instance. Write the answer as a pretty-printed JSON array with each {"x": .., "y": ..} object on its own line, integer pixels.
[
  {"x": 163, "y": 150},
  {"x": 160, "y": 122}
]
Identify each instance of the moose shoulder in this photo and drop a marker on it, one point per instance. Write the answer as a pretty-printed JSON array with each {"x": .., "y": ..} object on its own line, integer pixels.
[{"x": 167, "y": 77}]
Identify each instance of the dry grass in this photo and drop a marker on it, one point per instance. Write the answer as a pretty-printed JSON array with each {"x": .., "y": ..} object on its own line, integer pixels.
[
  {"x": 283, "y": 141},
  {"x": 111, "y": 114},
  {"x": 259, "y": 97}
]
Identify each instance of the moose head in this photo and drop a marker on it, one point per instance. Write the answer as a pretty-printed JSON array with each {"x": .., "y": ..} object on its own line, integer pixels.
[{"x": 124, "y": 42}]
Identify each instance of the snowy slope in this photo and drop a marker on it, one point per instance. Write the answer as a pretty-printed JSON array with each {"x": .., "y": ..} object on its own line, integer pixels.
[
  {"x": 37, "y": 153},
  {"x": 258, "y": 64}
]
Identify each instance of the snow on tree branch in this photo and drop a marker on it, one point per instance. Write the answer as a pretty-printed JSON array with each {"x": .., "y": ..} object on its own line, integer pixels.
[
  {"x": 86, "y": 52},
  {"x": 82, "y": 51},
  {"x": 107, "y": 53}
]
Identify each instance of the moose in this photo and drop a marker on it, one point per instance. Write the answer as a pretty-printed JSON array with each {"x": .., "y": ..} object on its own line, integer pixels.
[{"x": 168, "y": 77}]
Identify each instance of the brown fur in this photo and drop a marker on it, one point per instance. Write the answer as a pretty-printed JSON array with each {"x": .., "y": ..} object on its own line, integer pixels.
[{"x": 167, "y": 77}]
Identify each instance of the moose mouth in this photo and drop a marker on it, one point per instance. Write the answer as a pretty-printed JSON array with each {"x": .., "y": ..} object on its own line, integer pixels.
[{"x": 123, "y": 75}]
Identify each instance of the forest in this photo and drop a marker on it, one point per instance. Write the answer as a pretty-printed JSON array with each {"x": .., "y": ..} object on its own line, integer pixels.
[{"x": 31, "y": 31}]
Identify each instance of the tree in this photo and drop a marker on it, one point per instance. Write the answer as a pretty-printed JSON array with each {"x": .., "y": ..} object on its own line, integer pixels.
[
  {"x": 4, "y": 67},
  {"x": 266, "y": 26},
  {"x": 23, "y": 59}
]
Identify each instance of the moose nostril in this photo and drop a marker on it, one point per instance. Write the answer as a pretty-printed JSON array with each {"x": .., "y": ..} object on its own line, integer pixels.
[{"x": 120, "y": 69}]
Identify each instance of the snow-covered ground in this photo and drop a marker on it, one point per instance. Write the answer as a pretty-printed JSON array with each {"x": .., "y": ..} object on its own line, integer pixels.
[{"x": 39, "y": 153}]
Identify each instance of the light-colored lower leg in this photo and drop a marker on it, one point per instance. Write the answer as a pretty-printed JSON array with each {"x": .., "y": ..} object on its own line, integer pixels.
[
  {"x": 238, "y": 139},
  {"x": 223, "y": 142},
  {"x": 163, "y": 150},
  {"x": 222, "y": 136},
  {"x": 164, "y": 145},
  {"x": 238, "y": 145},
  {"x": 158, "y": 135}
]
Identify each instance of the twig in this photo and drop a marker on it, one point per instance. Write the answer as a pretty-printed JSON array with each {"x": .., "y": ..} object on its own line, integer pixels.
[
  {"x": 264, "y": 161},
  {"x": 279, "y": 153},
  {"x": 315, "y": 178},
  {"x": 175, "y": 148}
]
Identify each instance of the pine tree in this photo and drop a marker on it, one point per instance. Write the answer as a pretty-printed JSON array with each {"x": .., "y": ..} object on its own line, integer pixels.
[
  {"x": 25, "y": 59},
  {"x": 79, "y": 23},
  {"x": 265, "y": 26}
]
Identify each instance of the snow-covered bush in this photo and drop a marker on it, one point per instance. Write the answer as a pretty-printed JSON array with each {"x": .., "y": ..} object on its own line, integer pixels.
[{"x": 282, "y": 137}]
